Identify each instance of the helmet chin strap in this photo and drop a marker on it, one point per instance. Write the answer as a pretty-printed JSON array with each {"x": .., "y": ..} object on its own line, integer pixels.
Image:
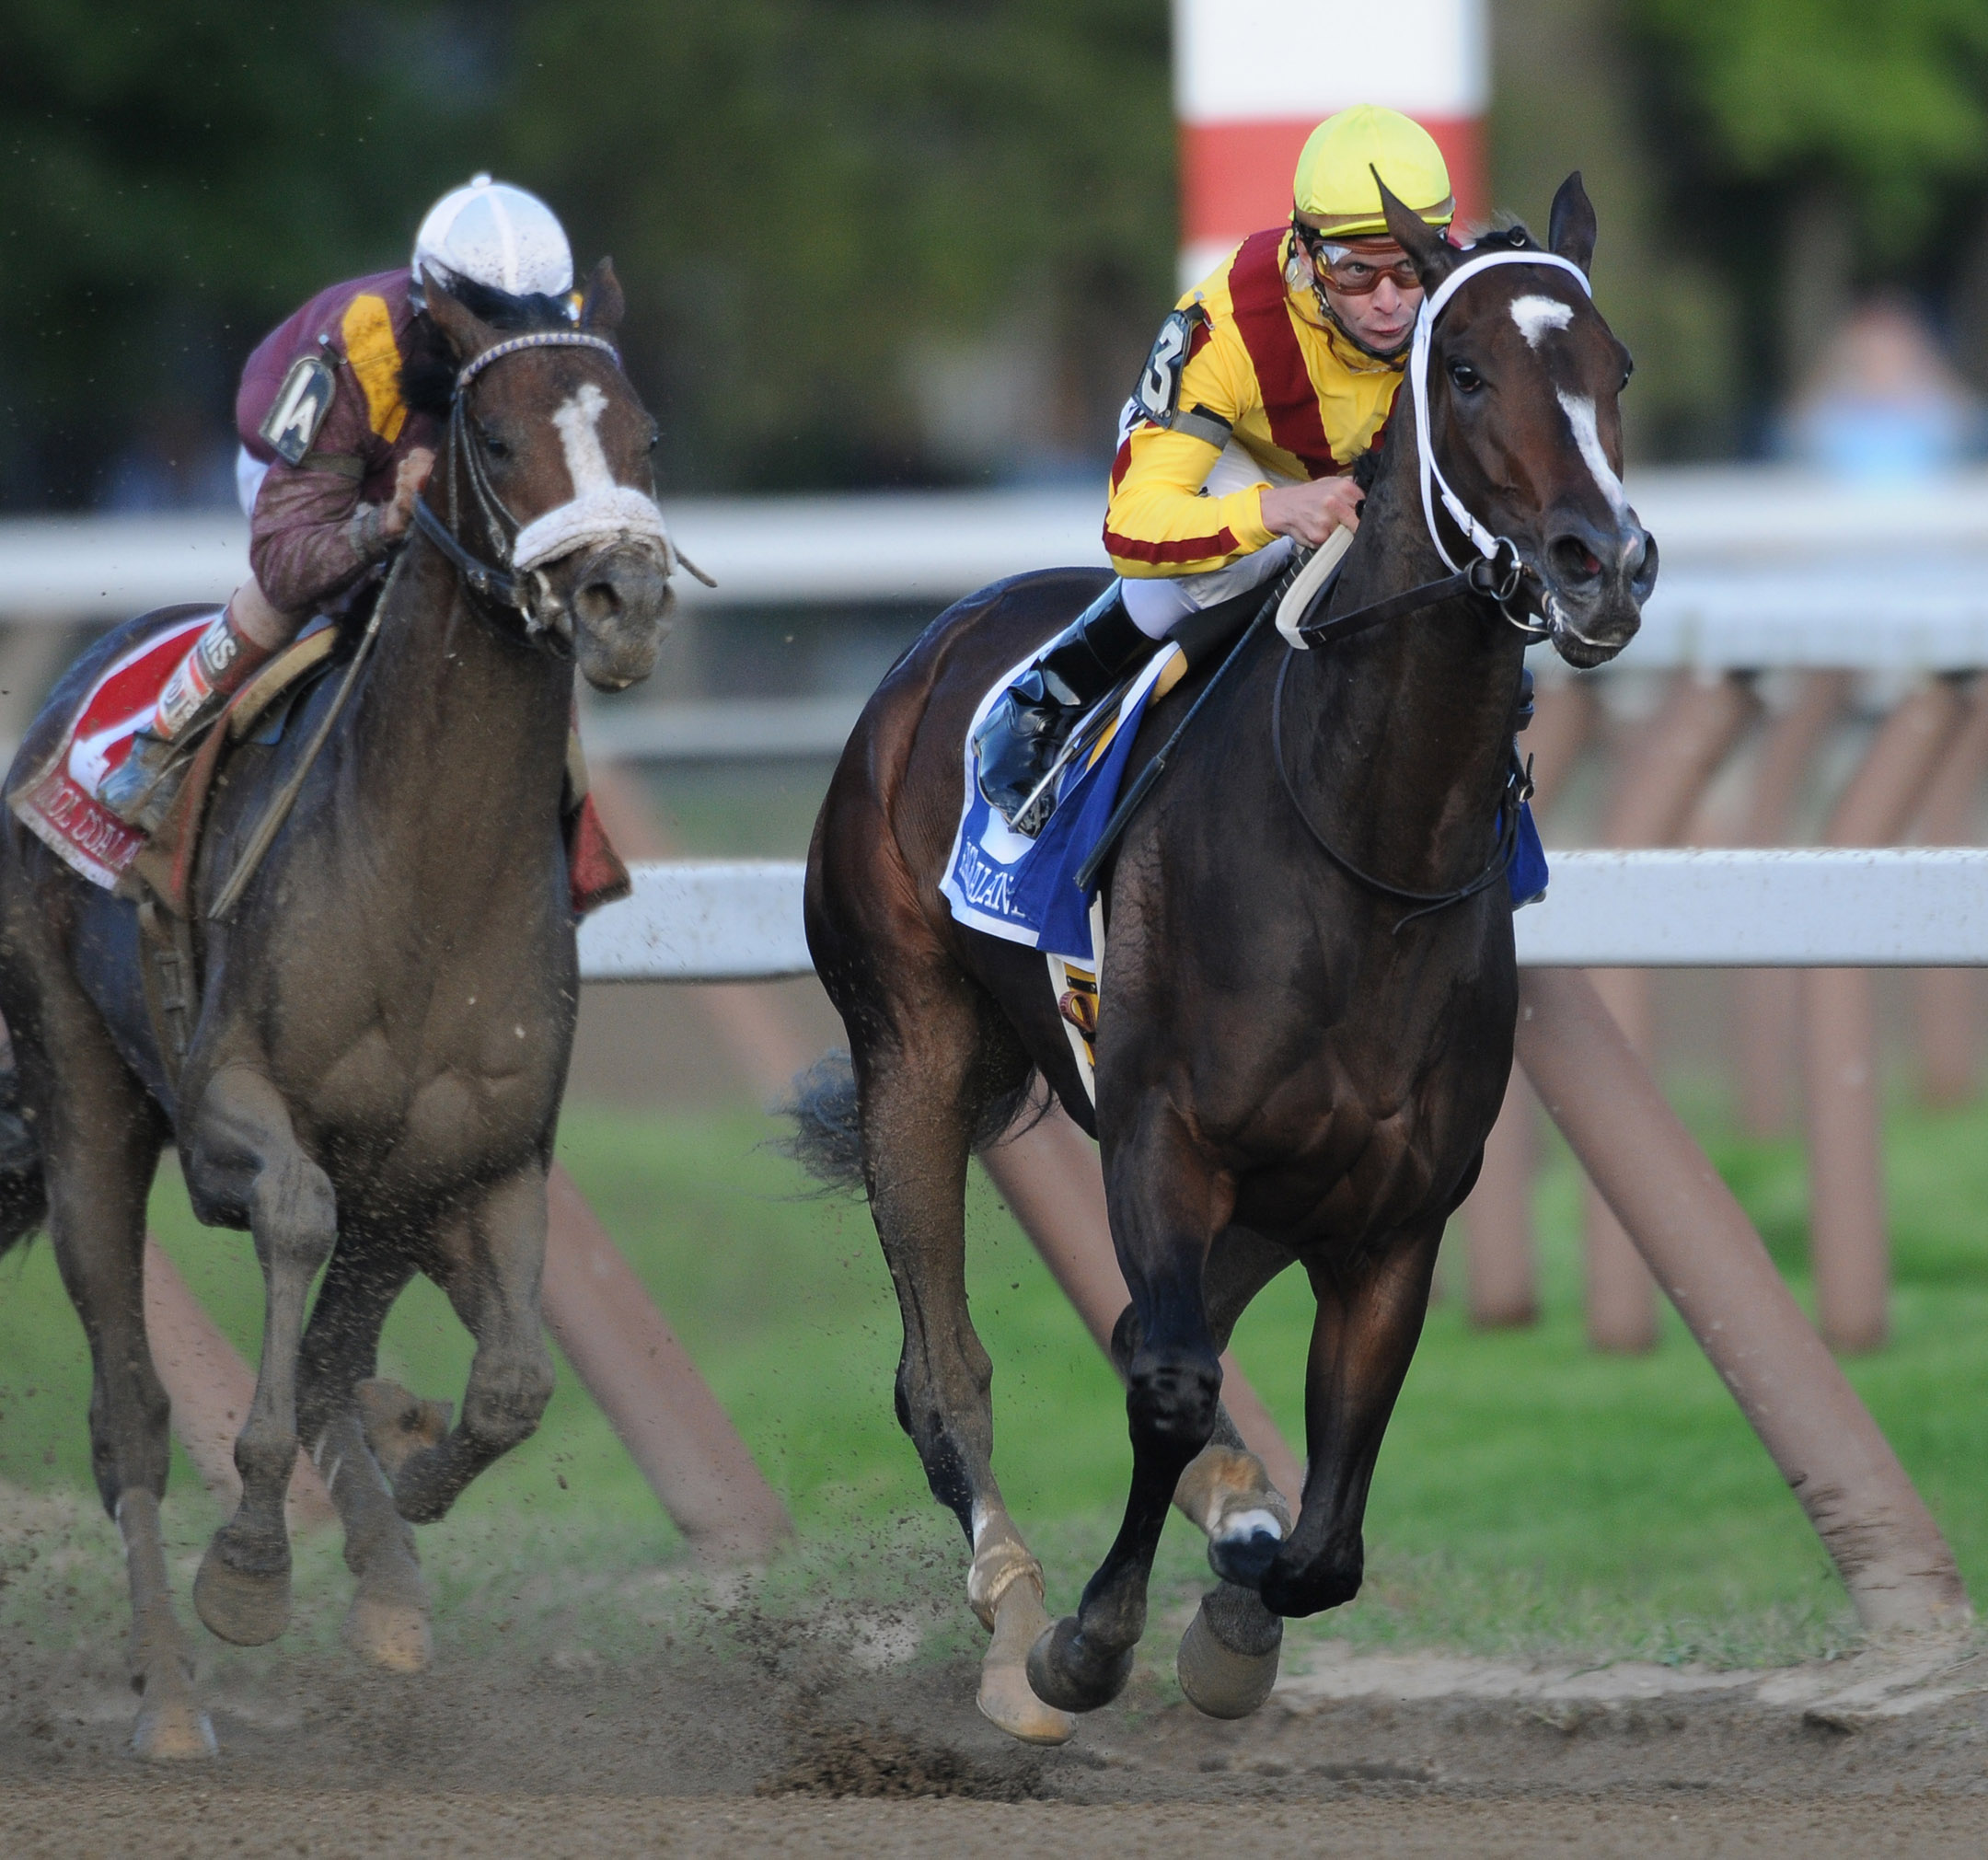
[{"x": 1433, "y": 482}]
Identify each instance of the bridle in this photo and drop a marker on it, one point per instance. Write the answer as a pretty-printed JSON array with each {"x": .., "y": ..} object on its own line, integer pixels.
[
  {"x": 1497, "y": 575},
  {"x": 620, "y": 514}
]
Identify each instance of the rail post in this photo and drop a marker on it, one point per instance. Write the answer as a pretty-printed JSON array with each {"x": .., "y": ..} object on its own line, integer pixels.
[
  {"x": 1946, "y": 1002},
  {"x": 1767, "y": 1006},
  {"x": 1500, "y": 1257},
  {"x": 1703, "y": 1251},
  {"x": 1847, "y": 1221},
  {"x": 1675, "y": 757}
]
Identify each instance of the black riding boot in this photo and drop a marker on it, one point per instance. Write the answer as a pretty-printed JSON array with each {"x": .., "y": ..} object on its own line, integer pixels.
[{"x": 1021, "y": 735}]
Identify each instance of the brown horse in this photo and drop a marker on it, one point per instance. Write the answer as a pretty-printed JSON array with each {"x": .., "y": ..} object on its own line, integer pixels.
[
  {"x": 373, "y": 1080},
  {"x": 1295, "y": 1064}
]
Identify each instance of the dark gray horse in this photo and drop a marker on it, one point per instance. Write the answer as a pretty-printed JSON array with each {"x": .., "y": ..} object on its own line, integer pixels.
[
  {"x": 373, "y": 1080},
  {"x": 1296, "y": 1064}
]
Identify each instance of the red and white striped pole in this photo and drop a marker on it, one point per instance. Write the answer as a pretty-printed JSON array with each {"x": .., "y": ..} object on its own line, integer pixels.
[{"x": 1253, "y": 78}]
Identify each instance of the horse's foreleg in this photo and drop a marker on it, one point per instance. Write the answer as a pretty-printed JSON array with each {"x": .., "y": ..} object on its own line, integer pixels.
[
  {"x": 1167, "y": 1205},
  {"x": 1228, "y": 1659},
  {"x": 494, "y": 1282},
  {"x": 102, "y": 1139},
  {"x": 245, "y": 1163},
  {"x": 916, "y": 1140},
  {"x": 387, "y": 1622},
  {"x": 1368, "y": 1321}
]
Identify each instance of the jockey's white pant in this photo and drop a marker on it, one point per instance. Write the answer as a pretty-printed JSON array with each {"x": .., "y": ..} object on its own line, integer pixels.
[
  {"x": 249, "y": 472},
  {"x": 1158, "y": 604}
]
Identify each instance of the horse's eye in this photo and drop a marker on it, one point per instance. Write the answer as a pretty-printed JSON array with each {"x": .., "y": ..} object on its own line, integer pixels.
[
  {"x": 494, "y": 447},
  {"x": 1467, "y": 379},
  {"x": 655, "y": 437},
  {"x": 1629, "y": 368}
]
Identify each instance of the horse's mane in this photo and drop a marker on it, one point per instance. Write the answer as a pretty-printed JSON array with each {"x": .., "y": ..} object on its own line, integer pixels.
[{"x": 428, "y": 376}]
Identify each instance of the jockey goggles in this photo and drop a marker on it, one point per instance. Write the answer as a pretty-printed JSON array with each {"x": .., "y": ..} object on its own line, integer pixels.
[{"x": 1350, "y": 273}]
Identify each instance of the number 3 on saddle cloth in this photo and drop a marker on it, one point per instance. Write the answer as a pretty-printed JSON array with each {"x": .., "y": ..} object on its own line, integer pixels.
[
  {"x": 1024, "y": 890},
  {"x": 57, "y": 799}
]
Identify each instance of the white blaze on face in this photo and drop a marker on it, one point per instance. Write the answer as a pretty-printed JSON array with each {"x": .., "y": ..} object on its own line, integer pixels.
[
  {"x": 1580, "y": 414},
  {"x": 1536, "y": 315},
  {"x": 600, "y": 511},
  {"x": 578, "y": 430}
]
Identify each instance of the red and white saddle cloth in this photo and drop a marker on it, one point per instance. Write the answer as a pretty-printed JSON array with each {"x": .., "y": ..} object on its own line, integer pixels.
[{"x": 58, "y": 805}]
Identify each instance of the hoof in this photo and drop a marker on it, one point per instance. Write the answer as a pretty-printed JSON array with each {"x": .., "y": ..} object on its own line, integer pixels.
[
  {"x": 1220, "y": 1681},
  {"x": 398, "y": 1424},
  {"x": 173, "y": 1729},
  {"x": 1063, "y": 1672},
  {"x": 249, "y": 1610},
  {"x": 389, "y": 1633},
  {"x": 1246, "y": 1548},
  {"x": 1006, "y": 1698}
]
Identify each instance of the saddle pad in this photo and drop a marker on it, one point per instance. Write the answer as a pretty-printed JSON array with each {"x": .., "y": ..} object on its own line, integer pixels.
[
  {"x": 58, "y": 805},
  {"x": 1024, "y": 890}
]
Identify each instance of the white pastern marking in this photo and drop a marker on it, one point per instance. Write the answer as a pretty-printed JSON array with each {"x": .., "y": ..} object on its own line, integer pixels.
[
  {"x": 1579, "y": 411},
  {"x": 579, "y": 422},
  {"x": 1241, "y": 1525},
  {"x": 1536, "y": 315}
]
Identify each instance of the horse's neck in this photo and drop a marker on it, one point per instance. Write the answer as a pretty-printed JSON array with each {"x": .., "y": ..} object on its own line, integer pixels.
[
  {"x": 1398, "y": 739},
  {"x": 459, "y": 741}
]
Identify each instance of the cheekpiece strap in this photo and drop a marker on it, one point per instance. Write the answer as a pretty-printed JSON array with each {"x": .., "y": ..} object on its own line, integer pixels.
[
  {"x": 538, "y": 338},
  {"x": 1434, "y": 484}
]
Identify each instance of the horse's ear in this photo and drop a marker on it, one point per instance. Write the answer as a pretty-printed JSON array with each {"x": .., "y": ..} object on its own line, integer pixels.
[
  {"x": 468, "y": 334},
  {"x": 1433, "y": 256},
  {"x": 602, "y": 306},
  {"x": 1570, "y": 233}
]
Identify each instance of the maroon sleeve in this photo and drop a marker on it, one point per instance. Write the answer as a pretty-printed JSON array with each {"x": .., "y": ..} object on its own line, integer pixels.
[{"x": 299, "y": 544}]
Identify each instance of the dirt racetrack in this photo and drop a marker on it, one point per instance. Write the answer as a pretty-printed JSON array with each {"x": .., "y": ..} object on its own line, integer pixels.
[{"x": 711, "y": 1755}]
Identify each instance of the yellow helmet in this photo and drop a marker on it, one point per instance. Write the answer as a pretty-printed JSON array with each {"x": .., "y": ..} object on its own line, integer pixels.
[{"x": 1335, "y": 185}]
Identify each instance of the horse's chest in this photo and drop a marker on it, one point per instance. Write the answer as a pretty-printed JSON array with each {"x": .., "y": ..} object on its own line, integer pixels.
[{"x": 444, "y": 1099}]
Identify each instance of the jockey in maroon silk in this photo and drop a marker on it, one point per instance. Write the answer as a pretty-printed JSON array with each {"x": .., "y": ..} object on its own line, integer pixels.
[{"x": 333, "y": 459}]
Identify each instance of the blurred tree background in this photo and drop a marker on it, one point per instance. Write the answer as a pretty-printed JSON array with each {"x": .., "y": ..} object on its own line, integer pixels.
[{"x": 873, "y": 242}]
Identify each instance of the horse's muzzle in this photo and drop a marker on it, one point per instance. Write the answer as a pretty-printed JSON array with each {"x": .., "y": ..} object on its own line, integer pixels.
[
  {"x": 1597, "y": 581},
  {"x": 619, "y": 609}
]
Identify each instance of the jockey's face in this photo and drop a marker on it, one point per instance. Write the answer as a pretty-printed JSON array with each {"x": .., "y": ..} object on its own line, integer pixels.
[{"x": 1380, "y": 306}]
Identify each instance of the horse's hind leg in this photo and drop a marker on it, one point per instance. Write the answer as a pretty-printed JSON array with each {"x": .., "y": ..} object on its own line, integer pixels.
[
  {"x": 245, "y": 1165},
  {"x": 101, "y": 1139},
  {"x": 490, "y": 1264},
  {"x": 387, "y": 1622},
  {"x": 917, "y": 1113},
  {"x": 1368, "y": 1319}
]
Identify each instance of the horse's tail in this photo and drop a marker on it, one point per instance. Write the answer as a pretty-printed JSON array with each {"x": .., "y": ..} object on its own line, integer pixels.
[
  {"x": 826, "y": 1140},
  {"x": 23, "y": 1189}
]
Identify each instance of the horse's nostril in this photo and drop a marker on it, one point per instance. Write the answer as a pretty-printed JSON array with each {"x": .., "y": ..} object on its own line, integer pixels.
[
  {"x": 599, "y": 601},
  {"x": 1575, "y": 560}
]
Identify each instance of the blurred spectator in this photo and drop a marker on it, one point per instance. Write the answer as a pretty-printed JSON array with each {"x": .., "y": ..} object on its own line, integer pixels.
[
  {"x": 177, "y": 459},
  {"x": 1885, "y": 402}
]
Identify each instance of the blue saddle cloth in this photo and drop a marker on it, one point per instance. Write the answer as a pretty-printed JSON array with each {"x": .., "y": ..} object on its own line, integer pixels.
[{"x": 1025, "y": 890}]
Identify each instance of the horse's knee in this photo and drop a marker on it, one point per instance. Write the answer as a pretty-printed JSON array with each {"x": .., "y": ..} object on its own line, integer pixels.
[
  {"x": 1171, "y": 1398},
  {"x": 293, "y": 1212},
  {"x": 503, "y": 1406}
]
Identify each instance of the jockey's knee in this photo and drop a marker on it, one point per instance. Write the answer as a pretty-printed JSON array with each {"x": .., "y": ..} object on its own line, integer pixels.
[{"x": 256, "y": 619}]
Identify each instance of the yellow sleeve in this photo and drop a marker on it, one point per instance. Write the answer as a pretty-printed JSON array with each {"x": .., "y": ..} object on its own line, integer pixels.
[{"x": 1157, "y": 522}]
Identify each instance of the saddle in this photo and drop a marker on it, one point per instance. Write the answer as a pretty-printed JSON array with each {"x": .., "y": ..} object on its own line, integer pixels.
[{"x": 56, "y": 803}]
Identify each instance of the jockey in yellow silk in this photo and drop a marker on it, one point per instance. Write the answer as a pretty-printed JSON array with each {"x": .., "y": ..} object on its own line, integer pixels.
[
  {"x": 332, "y": 457},
  {"x": 1269, "y": 380}
]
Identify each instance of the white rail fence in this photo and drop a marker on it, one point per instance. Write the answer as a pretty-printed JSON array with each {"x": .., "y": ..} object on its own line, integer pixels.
[{"x": 1915, "y": 907}]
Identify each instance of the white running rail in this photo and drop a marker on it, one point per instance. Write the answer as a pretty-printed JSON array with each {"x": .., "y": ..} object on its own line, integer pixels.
[{"x": 1915, "y": 907}]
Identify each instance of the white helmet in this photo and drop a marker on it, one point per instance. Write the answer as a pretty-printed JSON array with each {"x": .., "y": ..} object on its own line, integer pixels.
[{"x": 497, "y": 235}]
